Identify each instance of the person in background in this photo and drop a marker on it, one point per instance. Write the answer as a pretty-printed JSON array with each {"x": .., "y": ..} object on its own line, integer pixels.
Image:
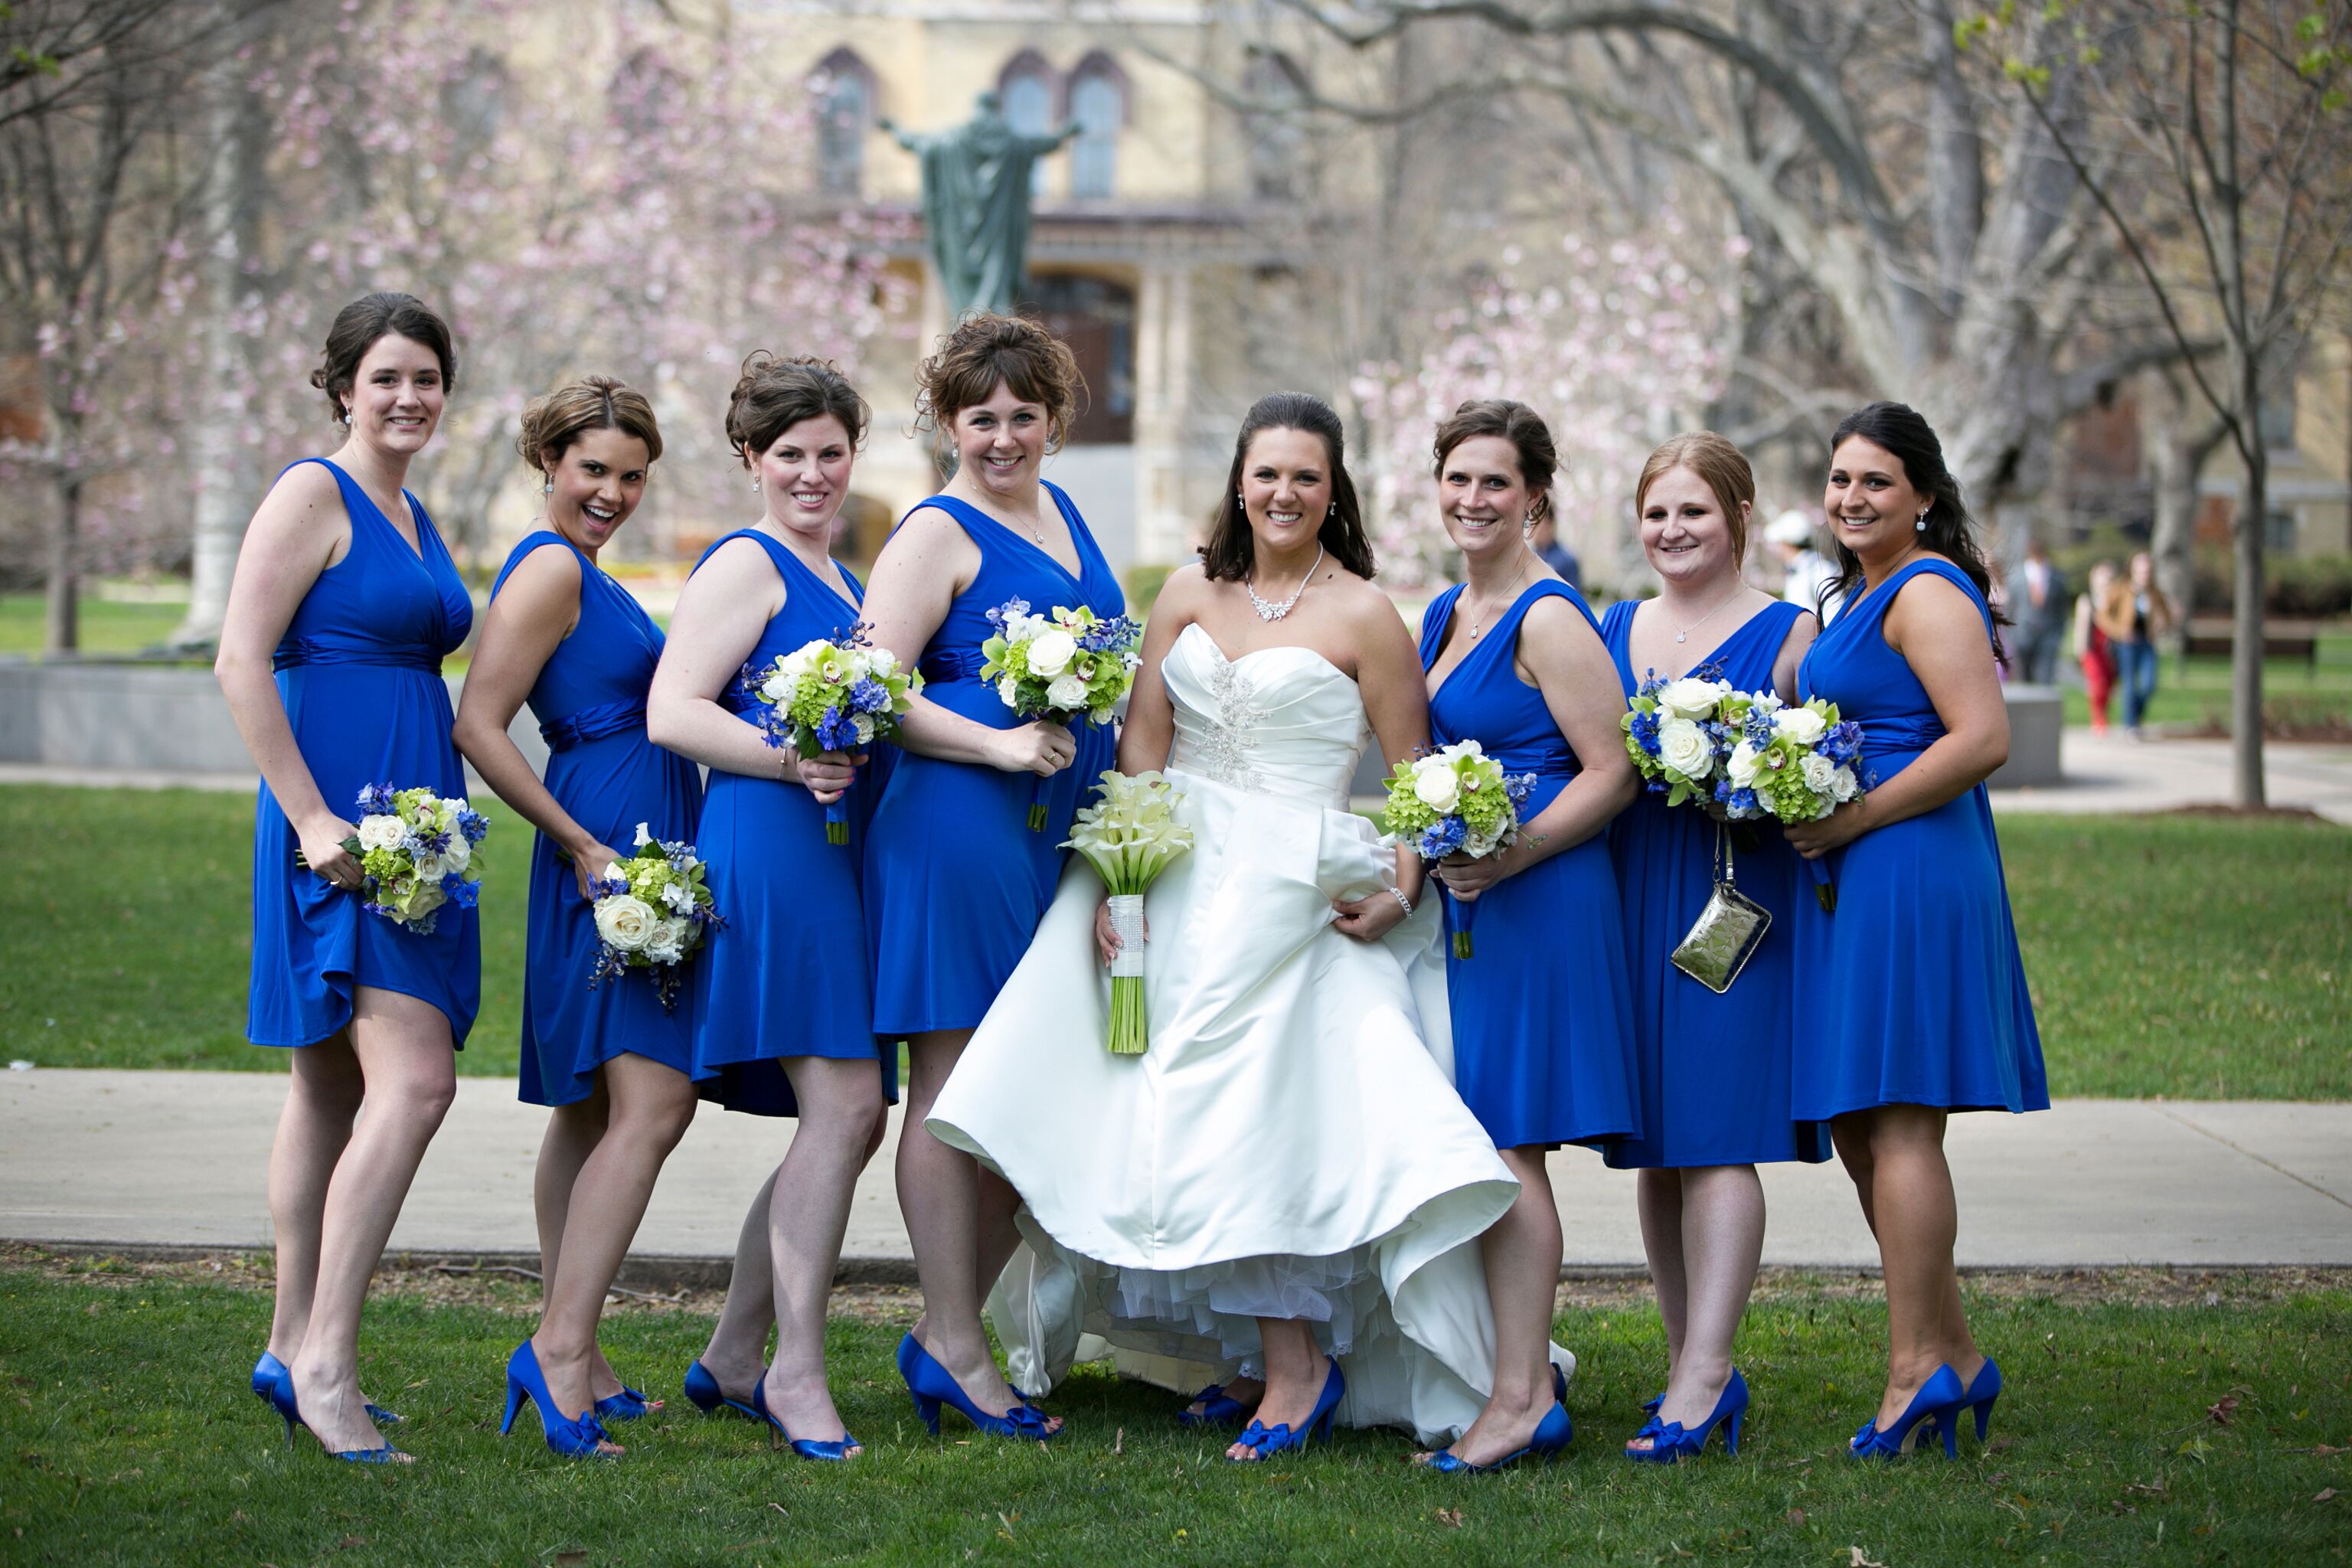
[
  {"x": 2036, "y": 601},
  {"x": 2134, "y": 613},
  {"x": 2092, "y": 648},
  {"x": 1543, "y": 539},
  {"x": 1805, "y": 571}
]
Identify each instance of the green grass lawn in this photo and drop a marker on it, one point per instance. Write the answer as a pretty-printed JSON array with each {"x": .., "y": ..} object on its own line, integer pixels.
[
  {"x": 108, "y": 625},
  {"x": 2201, "y": 957},
  {"x": 2197, "y": 691},
  {"x": 127, "y": 1436}
]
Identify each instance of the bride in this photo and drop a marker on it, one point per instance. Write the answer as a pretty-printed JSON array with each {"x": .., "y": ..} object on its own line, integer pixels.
[{"x": 1286, "y": 1182}]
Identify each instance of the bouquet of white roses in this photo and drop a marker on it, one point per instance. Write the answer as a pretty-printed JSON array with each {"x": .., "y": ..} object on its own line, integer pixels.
[
  {"x": 833, "y": 697},
  {"x": 1059, "y": 667},
  {"x": 416, "y": 850},
  {"x": 653, "y": 912},
  {"x": 1673, "y": 732},
  {"x": 1129, "y": 835},
  {"x": 1456, "y": 800}
]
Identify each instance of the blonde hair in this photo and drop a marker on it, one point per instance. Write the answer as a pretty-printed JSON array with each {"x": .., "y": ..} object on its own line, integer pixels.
[
  {"x": 1714, "y": 460},
  {"x": 552, "y": 422}
]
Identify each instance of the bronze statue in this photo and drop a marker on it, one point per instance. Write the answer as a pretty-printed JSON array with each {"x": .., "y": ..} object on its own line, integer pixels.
[{"x": 976, "y": 181}]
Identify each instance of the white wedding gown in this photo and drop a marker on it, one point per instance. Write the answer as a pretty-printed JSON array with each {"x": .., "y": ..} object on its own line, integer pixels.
[{"x": 1291, "y": 1145}]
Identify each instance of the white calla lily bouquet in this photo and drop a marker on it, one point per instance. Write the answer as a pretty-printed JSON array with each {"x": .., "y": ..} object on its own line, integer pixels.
[
  {"x": 654, "y": 911},
  {"x": 1129, "y": 835}
]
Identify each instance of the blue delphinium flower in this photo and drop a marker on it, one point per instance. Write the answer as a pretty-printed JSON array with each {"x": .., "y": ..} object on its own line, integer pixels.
[
  {"x": 473, "y": 825},
  {"x": 868, "y": 696},
  {"x": 375, "y": 800},
  {"x": 996, "y": 618},
  {"x": 459, "y": 891},
  {"x": 1743, "y": 803},
  {"x": 1443, "y": 837},
  {"x": 1842, "y": 744},
  {"x": 837, "y": 730},
  {"x": 1645, "y": 731},
  {"x": 1115, "y": 632}
]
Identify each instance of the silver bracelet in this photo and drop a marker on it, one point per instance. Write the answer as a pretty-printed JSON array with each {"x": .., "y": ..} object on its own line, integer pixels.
[{"x": 1402, "y": 899}]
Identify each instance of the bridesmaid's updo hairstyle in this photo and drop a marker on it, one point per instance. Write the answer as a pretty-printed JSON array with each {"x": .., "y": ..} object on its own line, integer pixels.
[
  {"x": 1714, "y": 460},
  {"x": 985, "y": 349},
  {"x": 361, "y": 325},
  {"x": 551, "y": 423},
  {"x": 774, "y": 394},
  {"x": 1898, "y": 427},
  {"x": 1232, "y": 549},
  {"x": 1513, "y": 422}
]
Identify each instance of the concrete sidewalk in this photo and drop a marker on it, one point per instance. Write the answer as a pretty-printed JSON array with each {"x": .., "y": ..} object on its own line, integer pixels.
[{"x": 179, "y": 1158}]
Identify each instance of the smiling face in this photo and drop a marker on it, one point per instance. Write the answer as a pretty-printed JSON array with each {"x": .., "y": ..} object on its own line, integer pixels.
[
  {"x": 1286, "y": 487},
  {"x": 1483, "y": 498},
  {"x": 1685, "y": 533},
  {"x": 1001, "y": 442},
  {"x": 1871, "y": 504},
  {"x": 598, "y": 482},
  {"x": 804, "y": 474},
  {"x": 396, "y": 396}
]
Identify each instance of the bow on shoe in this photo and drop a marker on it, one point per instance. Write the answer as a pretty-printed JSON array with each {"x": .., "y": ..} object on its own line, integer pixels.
[
  {"x": 1262, "y": 1439},
  {"x": 1028, "y": 1422}
]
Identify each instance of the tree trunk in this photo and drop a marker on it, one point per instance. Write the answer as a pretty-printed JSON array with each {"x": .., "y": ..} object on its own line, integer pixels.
[
  {"x": 2178, "y": 460},
  {"x": 2246, "y": 617},
  {"x": 64, "y": 612}
]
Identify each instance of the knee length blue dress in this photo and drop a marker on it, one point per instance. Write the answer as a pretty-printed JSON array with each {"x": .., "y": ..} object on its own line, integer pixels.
[
  {"x": 956, "y": 881},
  {"x": 786, "y": 976},
  {"x": 1542, "y": 1022},
  {"x": 359, "y": 670},
  {"x": 589, "y": 701},
  {"x": 1911, "y": 992},
  {"x": 1714, "y": 1070}
]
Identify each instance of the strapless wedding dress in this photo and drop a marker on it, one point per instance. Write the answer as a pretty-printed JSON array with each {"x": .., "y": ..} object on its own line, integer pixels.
[{"x": 1291, "y": 1145}]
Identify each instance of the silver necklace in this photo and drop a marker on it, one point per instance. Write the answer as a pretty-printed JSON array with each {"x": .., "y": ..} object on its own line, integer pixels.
[
  {"x": 1478, "y": 621},
  {"x": 1684, "y": 635},
  {"x": 1275, "y": 612}
]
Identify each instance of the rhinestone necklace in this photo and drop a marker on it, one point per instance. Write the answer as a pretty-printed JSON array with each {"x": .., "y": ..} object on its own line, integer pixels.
[{"x": 1274, "y": 612}]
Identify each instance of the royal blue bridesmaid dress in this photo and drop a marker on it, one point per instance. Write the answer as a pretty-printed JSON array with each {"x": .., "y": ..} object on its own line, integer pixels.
[
  {"x": 589, "y": 701},
  {"x": 1542, "y": 1023},
  {"x": 359, "y": 670},
  {"x": 956, "y": 881},
  {"x": 1911, "y": 991},
  {"x": 787, "y": 975},
  {"x": 1714, "y": 1070}
]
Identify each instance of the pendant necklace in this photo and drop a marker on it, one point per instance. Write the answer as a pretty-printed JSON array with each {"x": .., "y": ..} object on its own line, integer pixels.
[
  {"x": 1275, "y": 612},
  {"x": 1683, "y": 634},
  {"x": 1478, "y": 623}
]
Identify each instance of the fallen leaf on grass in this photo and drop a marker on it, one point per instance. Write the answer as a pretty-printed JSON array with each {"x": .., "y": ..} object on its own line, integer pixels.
[
  {"x": 1861, "y": 1559},
  {"x": 577, "y": 1554},
  {"x": 780, "y": 1509},
  {"x": 2221, "y": 1409},
  {"x": 2327, "y": 1496},
  {"x": 1797, "y": 1518},
  {"x": 1118, "y": 1443},
  {"x": 2328, "y": 1450},
  {"x": 1451, "y": 1516},
  {"x": 351, "y": 1541}
]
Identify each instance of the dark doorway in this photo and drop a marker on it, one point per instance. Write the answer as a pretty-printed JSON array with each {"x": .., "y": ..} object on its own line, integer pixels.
[{"x": 1096, "y": 318}]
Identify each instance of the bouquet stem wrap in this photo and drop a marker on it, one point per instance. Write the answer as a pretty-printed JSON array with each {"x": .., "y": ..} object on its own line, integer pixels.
[
  {"x": 1130, "y": 1028},
  {"x": 1459, "y": 916},
  {"x": 1037, "y": 803},
  {"x": 836, "y": 821}
]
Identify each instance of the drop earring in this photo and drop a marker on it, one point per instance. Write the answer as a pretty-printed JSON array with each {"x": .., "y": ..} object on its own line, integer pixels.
[
  {"x": 347, "y": 416},
  {"x": 1920, "y": 526},
  {"x": 755, "y": 483},
  {"x": 548, "y": 489}
]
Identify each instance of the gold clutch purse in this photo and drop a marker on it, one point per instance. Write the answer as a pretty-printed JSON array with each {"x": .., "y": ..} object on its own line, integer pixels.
[{"x": 1726, "y": 932}]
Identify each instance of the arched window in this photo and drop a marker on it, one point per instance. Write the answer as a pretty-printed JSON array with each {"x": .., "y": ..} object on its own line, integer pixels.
[
  {"x": 845, "y": 107},
  {"x": 1026, "y": 90},
  {"x": 1098, "y": 105},
  {"x": 1277, "y": 135}
]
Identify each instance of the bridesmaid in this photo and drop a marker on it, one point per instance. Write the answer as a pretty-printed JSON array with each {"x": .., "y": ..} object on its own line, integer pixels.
[
  {"x": 610, "y": 1059},
  {"x": 1714, "y": 1068},
  {"x": 346, "y": 592},
  {"x": 956, "y": 881},
  {"x": 1911, "y": 1001},
  {"x": 783, "y": 1005},
  {"x": 1542, "y": 1024}
]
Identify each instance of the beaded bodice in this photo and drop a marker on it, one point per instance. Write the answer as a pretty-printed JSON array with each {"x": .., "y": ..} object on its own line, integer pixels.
[{"x": 1279, "y": 721}]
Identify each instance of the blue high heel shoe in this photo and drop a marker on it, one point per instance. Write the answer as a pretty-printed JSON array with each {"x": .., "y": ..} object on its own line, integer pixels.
[
  {"x": 1931, "y": 1409},
  {"x": 629, "y": 1405},
  {"x": 703, "y": 1392},
  {"x": 1264, "y": 1442},
  {"x": 1221, "y": 1409},
  {"x": 1981, "y": 1392},
  {"x": 1553, "y": 1434},
  {"x": 264, "y": 1374},
  {"x": 281, "y": 1399},
  {"x": 807, "y": 1447},
  {"x": 579, "y": 1440},
  {"x": 1670, "y": 1444},
  {"x": 932, "y": 1386}
]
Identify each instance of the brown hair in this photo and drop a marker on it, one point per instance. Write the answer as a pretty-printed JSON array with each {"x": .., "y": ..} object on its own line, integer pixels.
[
  {"x": 1232, "y": 549},
  {"x": 1949, "y": 531},
  {"x": 774, "y": 394},
  {"x": 551, "y": 423},
  {"x": 368, "y": 321},
  {"x": 985, "y": 349},
  {"x": 1513, "y": 422},
  {"x": 1714, "y": 460}
]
